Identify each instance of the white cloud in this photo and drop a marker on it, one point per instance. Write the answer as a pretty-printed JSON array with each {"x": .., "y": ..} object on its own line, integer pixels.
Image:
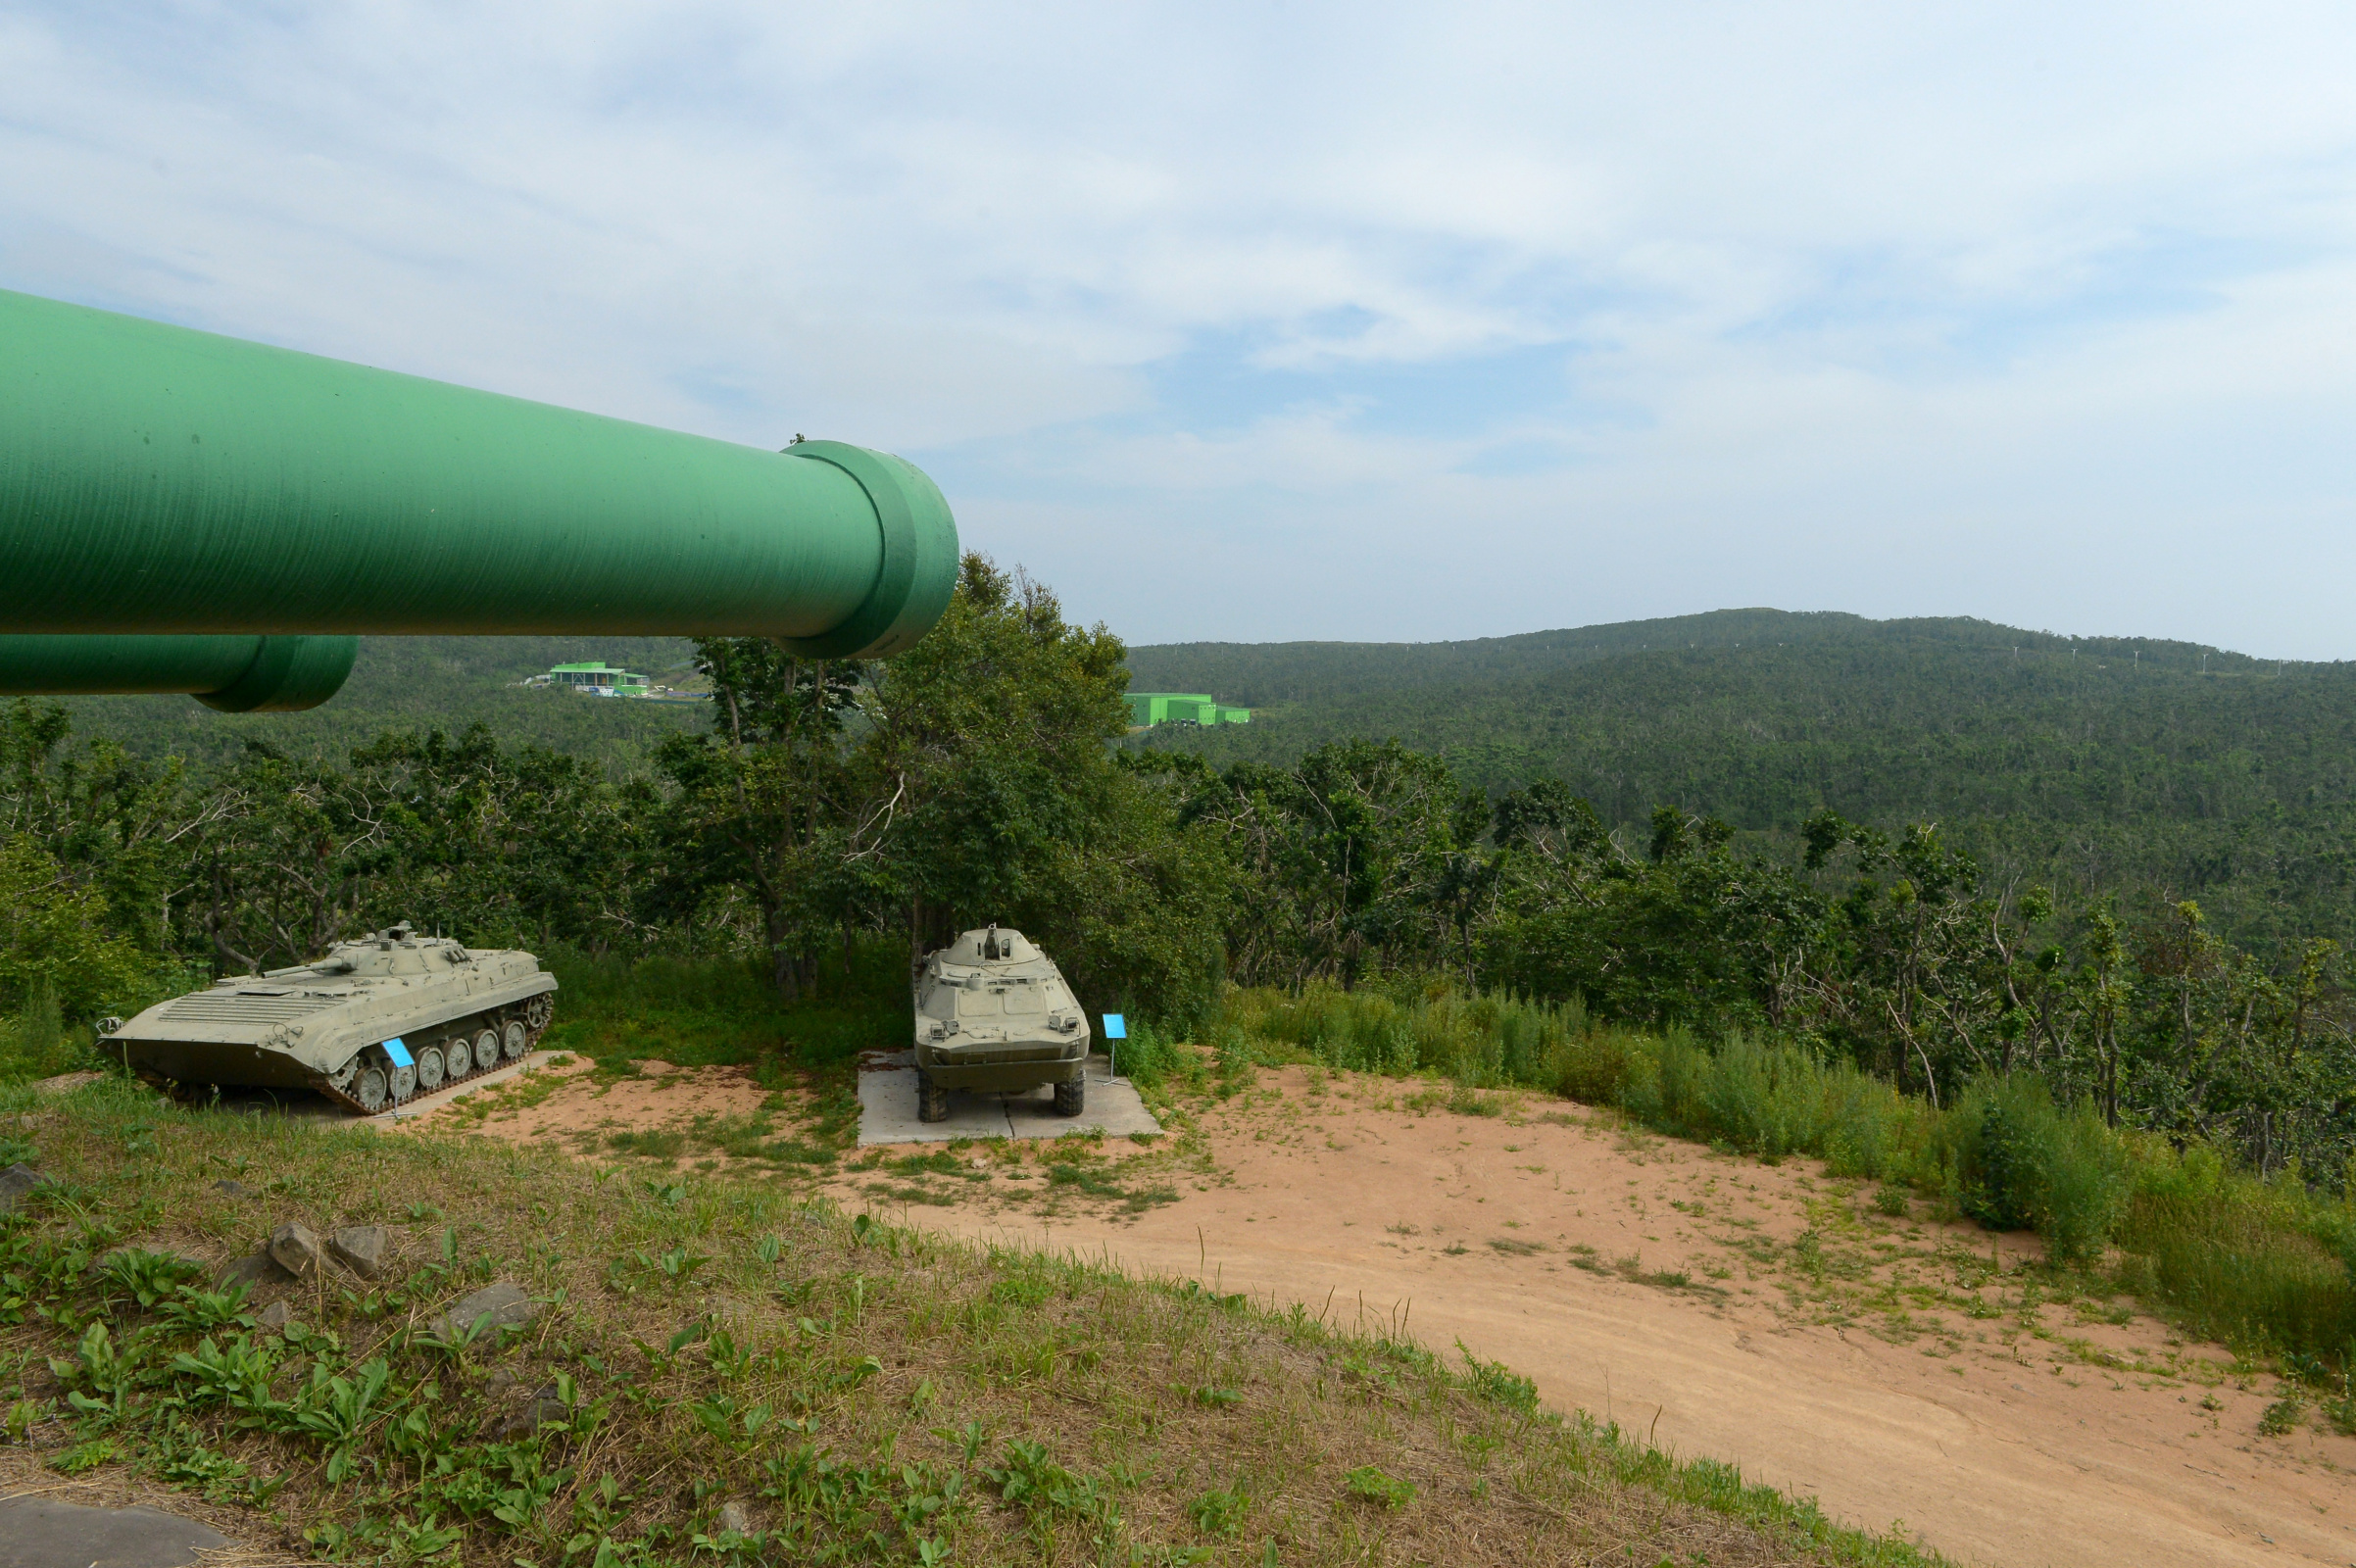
[{"x": 2034, "y": 315}]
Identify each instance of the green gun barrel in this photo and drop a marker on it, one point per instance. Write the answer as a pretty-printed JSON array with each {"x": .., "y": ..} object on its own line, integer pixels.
[
  {"x": 159, "y": 480},
  {"x": 235, "y": 674}
]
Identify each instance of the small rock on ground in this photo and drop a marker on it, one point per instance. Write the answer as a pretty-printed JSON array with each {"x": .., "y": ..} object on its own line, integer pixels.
[
  {"x": 296, "y": 1246},
  {"x": 15, "y": 1183},
  {"x": 64, "y": 1083},
  {"x": 361, "y": 1248},
  {"x": 255, "y": 1268},
  {"x": 508, "y": 1304},
  {"x": 544, "y": 1409},
  {"x": 275, "y": 1316},
  {"x": 233, "y": 1189},
  {"x": 733, "y": 1515},
  {"x": 37, "y": 1531}
]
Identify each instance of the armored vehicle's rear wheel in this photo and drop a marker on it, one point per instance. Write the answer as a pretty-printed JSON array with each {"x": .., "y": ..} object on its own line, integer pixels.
[
  {"x": 430, "y": 1068},
  {"x": 402, "y": 1083},
  {"x": 932, "y": 1100},
  {"x": 370, "y": 1089},
  {"x": 486, "y": 1051},
  {"x": 514, "y": 1040},
  {"x": 1072, "y": 1099}
]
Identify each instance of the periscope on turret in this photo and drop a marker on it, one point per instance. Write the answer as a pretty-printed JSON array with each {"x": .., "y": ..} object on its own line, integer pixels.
[
  {"x": 995, "y": 1014},
  {"x": 372, "y": 1025}
]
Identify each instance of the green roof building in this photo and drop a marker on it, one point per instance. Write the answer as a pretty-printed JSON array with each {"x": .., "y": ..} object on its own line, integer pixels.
[
  {"x": 1148, "y": 708},
  {"x": 599, "y": 679}
]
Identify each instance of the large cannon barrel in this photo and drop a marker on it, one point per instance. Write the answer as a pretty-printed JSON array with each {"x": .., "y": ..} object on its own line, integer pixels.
[
  {"x": 155, "y": 479},
  {"x": 237, "y": 674}
]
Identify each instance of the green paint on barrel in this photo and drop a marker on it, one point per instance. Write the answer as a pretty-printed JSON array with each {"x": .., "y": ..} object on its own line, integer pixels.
[{"x": 159, "y": 480}]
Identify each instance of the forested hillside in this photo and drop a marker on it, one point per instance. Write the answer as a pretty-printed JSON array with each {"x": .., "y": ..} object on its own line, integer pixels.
[
  {"x": 2162, "y": 769},
  {"x": 981, "y": 776},
  {"x": 446, "y": 683}
]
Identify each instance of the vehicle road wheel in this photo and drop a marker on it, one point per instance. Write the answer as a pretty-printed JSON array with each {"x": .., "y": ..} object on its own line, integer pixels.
[
  {"x": 458, "y": 1057},
  {"x": 486, "y": 1051},
  {"x": 932, "y": 1100},
  {"x": 430, "y": 1068},
  {"x": 368, "y": 1089},
  {"x": 403, "y": 1083},
  {"x": 1072, "y": 1097},
  {"x": 514, "y": 1040},
  {"x": 538, "y": 1011}
]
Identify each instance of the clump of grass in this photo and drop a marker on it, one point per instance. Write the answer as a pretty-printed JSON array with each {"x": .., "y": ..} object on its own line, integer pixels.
[
  {"x": 664, "y": 1144},
  {"x": 720, "y": 1012},
  {"x": 868, "y": 1393}
]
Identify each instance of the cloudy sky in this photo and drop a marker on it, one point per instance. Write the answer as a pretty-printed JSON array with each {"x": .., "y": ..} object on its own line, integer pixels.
[{"x": 1395, "y": 323}]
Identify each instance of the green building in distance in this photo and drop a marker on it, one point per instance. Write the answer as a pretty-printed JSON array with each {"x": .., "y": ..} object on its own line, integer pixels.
[
  {"x": 599, "y": 679},
  {"x": 1148, "y": 708}
]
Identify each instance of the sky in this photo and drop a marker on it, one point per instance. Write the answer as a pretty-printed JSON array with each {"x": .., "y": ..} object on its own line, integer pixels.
[{"x": 1302, "y": 320}]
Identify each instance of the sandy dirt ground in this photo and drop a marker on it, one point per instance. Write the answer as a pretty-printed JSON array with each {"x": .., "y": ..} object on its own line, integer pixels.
[{"x": 1900, "y": 1370}]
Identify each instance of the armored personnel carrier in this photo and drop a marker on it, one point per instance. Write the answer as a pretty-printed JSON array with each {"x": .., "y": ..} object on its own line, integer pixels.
[
  {"x": 994, "y": 1014},
  {"x": 372, "y": 1023}
]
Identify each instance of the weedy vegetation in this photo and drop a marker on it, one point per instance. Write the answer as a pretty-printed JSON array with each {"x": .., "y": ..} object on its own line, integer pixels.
[{"x": 719, "y": 1373}]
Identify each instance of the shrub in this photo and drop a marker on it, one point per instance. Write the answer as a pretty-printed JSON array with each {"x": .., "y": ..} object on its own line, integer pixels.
[{"x": 2016, "y": 1162}]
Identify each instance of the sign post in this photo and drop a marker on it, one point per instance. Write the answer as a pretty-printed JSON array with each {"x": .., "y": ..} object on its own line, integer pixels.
[{"x": 1116, "y": 1028}]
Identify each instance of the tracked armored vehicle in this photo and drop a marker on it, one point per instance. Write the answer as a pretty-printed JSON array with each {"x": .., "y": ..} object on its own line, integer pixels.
[
  {"x": 372, "y": 1024},
  {"x": 994, "y": 1014}
]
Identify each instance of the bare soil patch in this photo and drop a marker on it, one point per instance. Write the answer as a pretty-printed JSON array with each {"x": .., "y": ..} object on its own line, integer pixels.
[{"x": 1897, "y": 1368}]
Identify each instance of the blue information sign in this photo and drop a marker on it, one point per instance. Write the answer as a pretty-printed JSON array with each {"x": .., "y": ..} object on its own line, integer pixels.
[
  {"x": 399, "y": 1052},
  {"x": 1114, "y": 1027}
]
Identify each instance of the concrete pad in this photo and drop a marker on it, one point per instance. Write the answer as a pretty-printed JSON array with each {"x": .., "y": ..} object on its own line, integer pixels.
[
  {"x": 37, "y": 1531},
  {"x": 887, "y": 1107}
]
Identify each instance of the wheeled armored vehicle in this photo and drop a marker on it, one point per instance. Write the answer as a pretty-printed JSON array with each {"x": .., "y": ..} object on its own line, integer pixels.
[
  {"x": 372, "y": 1024},
  {"x": 994, "y": 1014}
]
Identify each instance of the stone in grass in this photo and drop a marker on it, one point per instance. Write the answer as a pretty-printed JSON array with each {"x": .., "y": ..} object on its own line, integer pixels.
[
  {"x": 275, "y": 1316},
  {"x": 544, "y": 1407},
  {"x": 296, "y": 1246},
  {"x": 233, "y": 1188},
  {"x": 361, "y": 1248},
  {"x": 733, "y": 1515},
  {"x": 15, "y": 1183},
  {"x": 507, "y": 1305},
  {"x": 255, "y": 1268},
  {"x": 36, "y": 1532}
]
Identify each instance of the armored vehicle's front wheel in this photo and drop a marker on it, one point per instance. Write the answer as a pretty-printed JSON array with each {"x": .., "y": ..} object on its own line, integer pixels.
[
  {"x": 1072, "y": 1099},
  {"x": 430, "y": 1069},
  {"x": 370, "y": 1089},
  {"x": 514, "y": 1040},
  {"x": 932, "y": 1100},
  {"x": 486, "y": 1051}
]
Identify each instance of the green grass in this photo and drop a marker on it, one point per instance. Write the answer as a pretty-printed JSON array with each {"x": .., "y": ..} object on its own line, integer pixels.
[
  {"x": 871, "y": 1395},
  {"x": 699, "y": 1012}
]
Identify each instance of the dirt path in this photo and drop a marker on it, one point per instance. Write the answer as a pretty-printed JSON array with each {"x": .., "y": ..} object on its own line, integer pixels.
[{"x": 1895, "y": 1368}]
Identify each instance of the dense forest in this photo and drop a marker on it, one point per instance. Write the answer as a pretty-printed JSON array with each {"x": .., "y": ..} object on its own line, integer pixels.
[
  {"x": 814, "y": 807},
  {"x": 2158, "y": 771}
]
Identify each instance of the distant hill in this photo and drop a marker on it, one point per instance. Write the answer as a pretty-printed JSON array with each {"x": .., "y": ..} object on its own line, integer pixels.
[
  {"x": 425, "y": 683},
  {"x": 2090, "y": 764}
]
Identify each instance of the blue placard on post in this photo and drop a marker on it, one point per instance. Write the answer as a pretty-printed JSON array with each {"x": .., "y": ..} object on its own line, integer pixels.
[
  {"x": 1116, "y": 1028},
  {"x": 400, "y": 1053}
]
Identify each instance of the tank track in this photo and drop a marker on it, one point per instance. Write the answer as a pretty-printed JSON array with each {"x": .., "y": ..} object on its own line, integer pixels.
[{"x": 536, "y": 1013}]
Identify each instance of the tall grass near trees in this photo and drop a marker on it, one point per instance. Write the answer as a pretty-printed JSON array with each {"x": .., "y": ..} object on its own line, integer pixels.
[
  {"x": 693, "y": 1011},
  {"x": 2266, "y": 1266}
]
